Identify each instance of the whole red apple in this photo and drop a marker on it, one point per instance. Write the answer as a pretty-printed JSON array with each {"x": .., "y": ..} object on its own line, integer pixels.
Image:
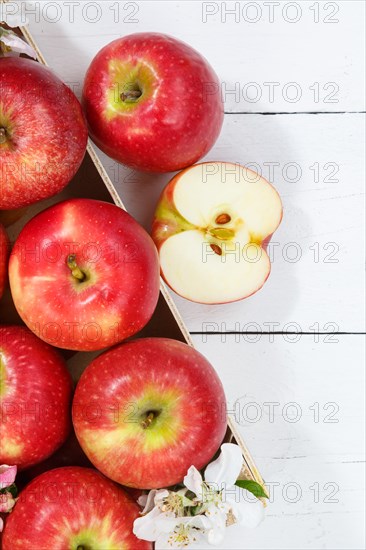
[
  {"x": 4, "y": 245},
  {"x": 74, "y": 508},
  {"x": 212, "y": 225},
  {"x": 152, "y": 102},
  {"x": 84, "y": 275},
  {"x": 43, "y": 134},
  {"x": 147, "y": 410},
  {"x": 35, "y": 395}
]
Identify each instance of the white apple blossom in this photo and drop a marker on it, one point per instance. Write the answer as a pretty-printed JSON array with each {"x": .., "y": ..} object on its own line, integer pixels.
[
  {"x": 198, "y": 514},
  {"x": 7, "y": 478},
  {"x": 12, "y": 45}
]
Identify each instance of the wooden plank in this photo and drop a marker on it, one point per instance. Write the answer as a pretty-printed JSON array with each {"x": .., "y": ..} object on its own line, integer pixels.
[
  {"x": 300, "y": 407},
  {"x": 270, "y": 56},
  {"x": 323, "y": 216}
]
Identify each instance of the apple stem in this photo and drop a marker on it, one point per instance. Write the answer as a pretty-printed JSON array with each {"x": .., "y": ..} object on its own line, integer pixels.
[
  {"x": 2, "y": 135},
  {"x": 75, "y": 269},
  {"x": 147, "y": 422},
  {"x": 130, "y": 95}
]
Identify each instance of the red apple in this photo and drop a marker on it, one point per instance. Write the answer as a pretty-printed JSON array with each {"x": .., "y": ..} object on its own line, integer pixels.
[
  {"x": 212, "y": 225},
  {"x": 84, "y": 275},
  {"x": 152, "y": 102},
  {"x": 35, "y": 396},
  {"x": 43, "y": 134},
  {"x": 147, "y": 410},
  {"x": 4, "y": 245},
  {"x": 74, "y": 508}
]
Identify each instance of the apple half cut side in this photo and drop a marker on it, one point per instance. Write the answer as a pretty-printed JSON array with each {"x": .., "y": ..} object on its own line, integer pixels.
[{"x": 211, "y": 227}]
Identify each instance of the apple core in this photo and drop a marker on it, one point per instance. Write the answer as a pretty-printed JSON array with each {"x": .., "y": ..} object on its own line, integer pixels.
[{"x": 211, "y": 226}]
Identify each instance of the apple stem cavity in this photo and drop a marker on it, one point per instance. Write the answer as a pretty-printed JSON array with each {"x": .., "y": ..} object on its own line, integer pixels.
[
  {"x": 74, "y": 268},
  {"x": 2, "y": 135},
  {"x": 130, "y": 95},
  {"x": 150, "y": 416}
]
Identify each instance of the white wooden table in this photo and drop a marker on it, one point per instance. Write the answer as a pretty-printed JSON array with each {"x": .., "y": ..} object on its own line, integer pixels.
[{"x": 292, "y": 361}]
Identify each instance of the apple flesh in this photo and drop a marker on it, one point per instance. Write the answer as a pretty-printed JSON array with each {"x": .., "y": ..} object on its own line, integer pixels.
[
  {"x": 74, "y": 508},
  {"x": 211, "y": 227},
  {"x": 152, "y": 102},
  {"x": 35, "y": 398},
  {"x": 43, "y": 133},
  {"x": 4, "y": 245},
  {"x": 147, "y": 410},
  {"x": 84, "y": 275}
]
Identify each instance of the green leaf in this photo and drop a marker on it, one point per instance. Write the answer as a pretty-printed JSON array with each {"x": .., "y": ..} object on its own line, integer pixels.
[{"x": 253, "y": 487}]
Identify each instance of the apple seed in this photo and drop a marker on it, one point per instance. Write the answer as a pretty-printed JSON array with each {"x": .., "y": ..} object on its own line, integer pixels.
[
  {"x": 217, "y": 249},
  {"x": 222, "y": 219}
]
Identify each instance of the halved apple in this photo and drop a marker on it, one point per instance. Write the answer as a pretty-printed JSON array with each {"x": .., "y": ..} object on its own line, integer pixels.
[{"x": 211, "y": 227}]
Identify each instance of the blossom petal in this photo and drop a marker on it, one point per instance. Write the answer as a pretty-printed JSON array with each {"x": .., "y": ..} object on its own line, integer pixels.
[
  {"x": 247, "y": 512},
  {"x": 17, "y": 45},
  {"x": 7, "y": 475},
  {"x": 142, "y": 501},
  {"x": 199, "y": 522},
  {"x": 145, "y": 527},
  {"x": 6, "y": 502},
  {"x": 226, "y": 468},
  {"x": 167, "y": 523},
  {"x": 160, "y": 495},
  {"x": 197, "y": 542},
  {"x": 193, "y": 481},
  {"x": 216, "y": 534}
]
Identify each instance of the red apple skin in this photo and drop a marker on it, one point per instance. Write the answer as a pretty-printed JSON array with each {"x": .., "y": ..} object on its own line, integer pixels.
[
  {"x": 120, "y": 259},
  {"x": 35, "y": 397},
  {"x": 4, "y": 249},
  {"x": 177, "y": 119},
  {"x": 45, "y": 133},
  {"x": 119, "y": 388},
  {"x": 69, "y": 508}
]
